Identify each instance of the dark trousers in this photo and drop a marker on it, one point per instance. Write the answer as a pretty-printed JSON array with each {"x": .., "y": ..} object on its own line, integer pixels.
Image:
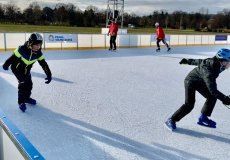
[
  {"x": 25, "y": 86},
  {"x": 190, "y": 90},
  {"x": 163, "y": 40},
  {"x": 113, "y": 42}
]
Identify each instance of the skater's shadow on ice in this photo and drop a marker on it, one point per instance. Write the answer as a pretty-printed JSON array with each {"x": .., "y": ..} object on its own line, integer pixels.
[
  {"x": 183, "y": 154},
  {"x": 38, "y": 75},
  {"x": 80, "y": 133},
  {"x": 58, "y": 136},
  {"x": 202, "y": 135},
  {"x": 41, "y": 75}
]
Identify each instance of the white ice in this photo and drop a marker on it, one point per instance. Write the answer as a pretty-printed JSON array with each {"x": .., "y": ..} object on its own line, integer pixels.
[{"x": 105, "y": 105}]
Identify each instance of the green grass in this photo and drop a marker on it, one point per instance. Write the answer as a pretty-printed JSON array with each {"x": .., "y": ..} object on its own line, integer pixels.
[
  {"x": 55, "y": 29},
  {"x": 86, "y": 30},
  {"x": 167, "y": 31}
]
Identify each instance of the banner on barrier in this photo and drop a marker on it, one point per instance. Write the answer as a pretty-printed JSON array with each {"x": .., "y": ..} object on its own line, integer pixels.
[
  {"x": 64, "y": 38},
  {"x": 221, "y": 37}
]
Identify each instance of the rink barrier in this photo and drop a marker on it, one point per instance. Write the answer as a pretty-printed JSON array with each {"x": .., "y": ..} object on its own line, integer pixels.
[
  {"x": 10, "y": 41},
  {"x": 13, "y": 144}
]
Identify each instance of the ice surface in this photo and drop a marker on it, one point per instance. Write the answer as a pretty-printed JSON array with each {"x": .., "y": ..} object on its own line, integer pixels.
[{"x": 105, "y": 105}]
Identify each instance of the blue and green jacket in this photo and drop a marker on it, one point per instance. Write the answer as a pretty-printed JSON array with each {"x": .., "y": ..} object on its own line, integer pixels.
[{"x": 23, "y": 59}]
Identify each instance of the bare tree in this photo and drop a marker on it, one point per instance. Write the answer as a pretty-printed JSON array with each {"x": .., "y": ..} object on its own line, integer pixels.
[{"x": 12, "y": 12}]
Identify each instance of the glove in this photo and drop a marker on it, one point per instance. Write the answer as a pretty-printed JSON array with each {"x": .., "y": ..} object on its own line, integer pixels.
[
  {"x": 226, "y": 101},
  {"x": 184, "y": 61},
  {"x": 48, "y": 79},
  {"x": 5, "y": 67}
]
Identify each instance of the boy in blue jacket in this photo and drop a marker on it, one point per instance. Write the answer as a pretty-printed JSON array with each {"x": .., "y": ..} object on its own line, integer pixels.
[{"x": 21, "y": 63}]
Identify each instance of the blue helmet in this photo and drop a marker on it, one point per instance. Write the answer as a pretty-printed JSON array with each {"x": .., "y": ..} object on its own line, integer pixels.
[{"x": 223, "y": 54}]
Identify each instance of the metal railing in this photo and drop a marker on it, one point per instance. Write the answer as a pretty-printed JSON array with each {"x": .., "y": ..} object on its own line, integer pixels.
[{"x": 13, "y": 144}]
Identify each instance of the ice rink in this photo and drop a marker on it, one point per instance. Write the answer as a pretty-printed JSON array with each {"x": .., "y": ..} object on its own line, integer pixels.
[{"x": 105, "y": 105}]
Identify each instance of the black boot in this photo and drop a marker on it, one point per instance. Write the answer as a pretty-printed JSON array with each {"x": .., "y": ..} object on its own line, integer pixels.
[
  {"x": 22, "y": 107},
  {"x": 31, "y": 101},
  {"x": 158, "y": 50}
]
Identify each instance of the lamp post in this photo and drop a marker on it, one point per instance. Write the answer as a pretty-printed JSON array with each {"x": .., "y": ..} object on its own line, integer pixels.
[{"x": 115, "y": 10}]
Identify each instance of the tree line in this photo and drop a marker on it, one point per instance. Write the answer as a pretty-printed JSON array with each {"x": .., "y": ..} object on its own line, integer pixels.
[{"x": 71, "y": 15}]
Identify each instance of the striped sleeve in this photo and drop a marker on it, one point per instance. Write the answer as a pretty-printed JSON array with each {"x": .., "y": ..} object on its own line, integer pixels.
[
  {"x": 16, "y": 53},
  {"x": 41, "y": 58}
]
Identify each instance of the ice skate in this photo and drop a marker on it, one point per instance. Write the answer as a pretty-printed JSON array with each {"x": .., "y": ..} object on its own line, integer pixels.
[
  {"x": 22, "y": 107},
  {"x": 158, "y": 50},
  {"x": 205, "y": 121},
  {"x": 170, "y": 124},
  {"x": 31, "y": 101}
]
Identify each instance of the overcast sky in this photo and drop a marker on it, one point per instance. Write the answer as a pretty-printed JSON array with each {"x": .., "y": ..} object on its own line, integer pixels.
[{"x": 140, "y": 7}]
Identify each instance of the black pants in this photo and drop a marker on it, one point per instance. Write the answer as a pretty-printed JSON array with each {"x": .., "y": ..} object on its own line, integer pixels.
[
  {"x": 113, "y": 42},
  {"x": 163, "y": 40},
  {"x": 190, "y": 90},
  {"x": 25, "y": 86}
]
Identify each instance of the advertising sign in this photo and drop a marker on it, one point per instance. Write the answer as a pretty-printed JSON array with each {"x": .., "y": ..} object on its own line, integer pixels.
[{"x": 63, "y": 38}]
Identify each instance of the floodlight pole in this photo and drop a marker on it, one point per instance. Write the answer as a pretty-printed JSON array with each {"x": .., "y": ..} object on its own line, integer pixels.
[{"x": 116, "y": 7}]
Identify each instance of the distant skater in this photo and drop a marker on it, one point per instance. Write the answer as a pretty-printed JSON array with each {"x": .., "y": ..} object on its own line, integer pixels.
[
  {"x": 113, "y": 29},
  {"x": 160, "y": 36}
]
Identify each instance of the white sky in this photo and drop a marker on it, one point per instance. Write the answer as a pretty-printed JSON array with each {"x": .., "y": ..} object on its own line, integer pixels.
[{"x": 138, "y": 6}]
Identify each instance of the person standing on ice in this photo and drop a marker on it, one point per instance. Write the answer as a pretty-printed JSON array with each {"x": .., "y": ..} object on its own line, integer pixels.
[
  {"x": 113, "y": 29},
  {"x": 202, "y": 79},
  {"x": 21, "y": 63},
  {"x": 160, "y": 36}
]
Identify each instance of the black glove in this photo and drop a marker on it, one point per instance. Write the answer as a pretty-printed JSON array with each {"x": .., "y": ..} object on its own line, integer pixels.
[
  {"x": 184, "y": 61},
  {"x": 48, "y": 79},
  {"x": 5, "y": 67},
  {"x": 226, "y": 101}
]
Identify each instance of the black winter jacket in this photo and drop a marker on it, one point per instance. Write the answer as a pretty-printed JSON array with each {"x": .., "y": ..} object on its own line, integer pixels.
[{"x": 205, "y": 73}]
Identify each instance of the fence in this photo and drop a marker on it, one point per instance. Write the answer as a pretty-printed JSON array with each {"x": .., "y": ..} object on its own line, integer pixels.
[
  {"x": 9, "y": 41},
  {"x": 13, "y": 144}
]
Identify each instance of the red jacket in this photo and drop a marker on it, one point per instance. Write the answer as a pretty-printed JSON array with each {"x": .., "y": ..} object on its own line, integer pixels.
[
  {"x": 160, "y": 33},
  {"x": 113, "y": 29}
]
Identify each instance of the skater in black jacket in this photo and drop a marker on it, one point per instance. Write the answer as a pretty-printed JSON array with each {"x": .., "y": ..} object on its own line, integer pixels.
[
  {"x": 21, "y": 63},
  {"x": 202, "y": 79}
]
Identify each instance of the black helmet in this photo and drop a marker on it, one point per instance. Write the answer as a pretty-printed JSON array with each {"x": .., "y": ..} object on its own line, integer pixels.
[{"x": 35, "y": 38}]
